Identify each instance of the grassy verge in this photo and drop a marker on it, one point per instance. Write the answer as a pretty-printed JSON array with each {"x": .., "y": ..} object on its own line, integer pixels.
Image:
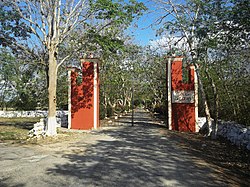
[
  {"x": 19, "y": 120},
  {"x": 16, "y": 128}
]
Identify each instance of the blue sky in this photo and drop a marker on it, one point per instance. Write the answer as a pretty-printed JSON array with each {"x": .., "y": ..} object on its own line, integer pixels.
[{"x": 144, "y": 33}]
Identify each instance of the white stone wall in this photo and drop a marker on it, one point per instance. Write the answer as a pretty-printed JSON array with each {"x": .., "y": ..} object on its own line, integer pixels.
[
  {"x": 33, "y": 113},
  {"x": 235, "y": 133},
  {"x": 61, "y": 115},
  {"x": 39, "y": 129},
  {"x": 201, "y": 122}
]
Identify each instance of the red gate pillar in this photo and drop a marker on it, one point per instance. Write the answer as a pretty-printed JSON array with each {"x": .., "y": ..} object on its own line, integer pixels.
[
  {"x": 84, "y": 96},
  {"x": 182, "y": 97}
]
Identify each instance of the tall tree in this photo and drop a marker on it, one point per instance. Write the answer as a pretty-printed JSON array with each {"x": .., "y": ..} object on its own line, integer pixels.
[
  {"x": 52, "y": 22},
  {"x": 180, "y": 19},
  {"x": 216, "y": 34},
  {"x": 225, "y": 32}
]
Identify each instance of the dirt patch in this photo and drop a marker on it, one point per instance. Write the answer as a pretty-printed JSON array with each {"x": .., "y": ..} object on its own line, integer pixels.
[
  {"x": 61, "y": 137},
  {"x": 15, "y": 131},
  {"x": 10, "y": 133},
  {"x": 219, "y": 152}
]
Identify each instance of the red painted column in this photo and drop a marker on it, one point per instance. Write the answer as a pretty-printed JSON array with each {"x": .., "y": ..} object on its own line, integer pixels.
[
  {"x": 182, "y": 105},
  {"x": 85, "y": 96}
]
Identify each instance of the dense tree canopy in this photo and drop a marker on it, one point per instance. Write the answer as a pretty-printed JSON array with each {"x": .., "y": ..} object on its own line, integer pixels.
[{"x": 213, "y": 34}]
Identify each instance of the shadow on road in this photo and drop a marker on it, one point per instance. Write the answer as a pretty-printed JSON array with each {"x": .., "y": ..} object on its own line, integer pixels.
[
  {"x": 4, "y": 183},
  {"x": 136, "y": 156}
]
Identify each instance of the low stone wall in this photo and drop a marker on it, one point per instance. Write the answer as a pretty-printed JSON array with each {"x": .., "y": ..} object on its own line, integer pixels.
[
  {"x": 39, "y": 129},
  {"x": 32, "y": 113},
  {"x": 201, "y": 122},
  {"x": 235, "y": 133},
  {"x": 61, "y": 115}
]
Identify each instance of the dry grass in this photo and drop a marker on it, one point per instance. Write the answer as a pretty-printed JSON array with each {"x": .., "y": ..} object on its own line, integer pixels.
[
  {"x": 18, "y": 120},
  {"x": 12, "y": 133},
  {"x": 16, "y": 129}
]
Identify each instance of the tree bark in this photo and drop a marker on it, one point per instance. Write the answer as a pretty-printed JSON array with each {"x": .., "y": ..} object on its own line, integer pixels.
[
  {"x": 204, "y": 100},
  {"x": 47, "y": 75},
  {"x": 51, "y": 126},
  {"x": 105, "y": 104},
  {"x": 216, "y": 105}
]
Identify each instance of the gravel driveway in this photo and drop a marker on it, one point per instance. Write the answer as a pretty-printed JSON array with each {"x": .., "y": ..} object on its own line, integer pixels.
[{"x": 121, "y": 155}]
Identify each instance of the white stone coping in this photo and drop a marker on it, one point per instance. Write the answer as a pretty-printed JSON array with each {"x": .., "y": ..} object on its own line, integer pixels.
[
  {"x": 31, "y": 113},
  {"x": 236, "y": 133}
]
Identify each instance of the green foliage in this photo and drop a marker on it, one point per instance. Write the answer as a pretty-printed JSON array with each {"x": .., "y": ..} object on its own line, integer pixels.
[
  {"x": 62, "y": 91},
  {"x": 106, "y": 31},
  {"x": 228, "y": 49},
  {"x": 12, "y": 28},
  {"x": 107, "y": 42},
  {"x": 103, "y": 112},
  {"x": 110, "y": 111},
  {"x": 23, "y": 74},
  {"x": 119, "y": 12},
  {"x": 217, "y": 32},
  {"x": 20, "y": 82}
]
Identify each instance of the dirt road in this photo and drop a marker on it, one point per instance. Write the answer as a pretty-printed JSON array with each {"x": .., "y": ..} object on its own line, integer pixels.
[{"x": 140, "y": 156}]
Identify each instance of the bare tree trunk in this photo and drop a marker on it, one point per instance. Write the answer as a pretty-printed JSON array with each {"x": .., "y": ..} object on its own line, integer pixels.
[
  {"x": 105, "y": 104},
  {"x": 47, "y": 75},
  {"x": 216, "y": 105},
  {"x": 236, "y": 99},
  {"x": 204, "y": 100},
  {"x": 51, "y": 30},
  {"x": 127, "y": 101},
  {"x": 112, "y": 105},
  {"x": 3, "y": 95},
  {"x": 51, "y": 126}
]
